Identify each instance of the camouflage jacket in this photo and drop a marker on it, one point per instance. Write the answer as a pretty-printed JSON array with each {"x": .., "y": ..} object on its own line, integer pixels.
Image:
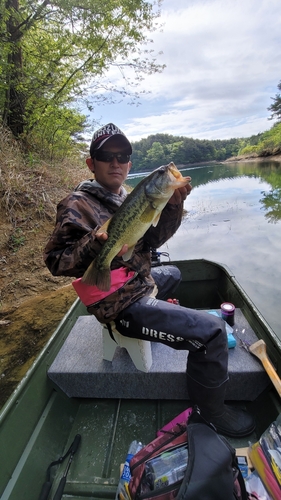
[{"x": 73, "y": 245}]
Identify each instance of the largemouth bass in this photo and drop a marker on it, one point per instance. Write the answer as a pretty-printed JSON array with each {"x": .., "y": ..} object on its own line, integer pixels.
[{"x": 141, "y": 209}]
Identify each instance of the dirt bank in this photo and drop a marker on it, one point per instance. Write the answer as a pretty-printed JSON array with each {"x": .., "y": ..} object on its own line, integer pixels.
[
  {"x": 25, "y": 329},
  {"x": 32, "y": 301},
  {"x": 32, "y": 304},
  {"x": 253, "y": 157}
]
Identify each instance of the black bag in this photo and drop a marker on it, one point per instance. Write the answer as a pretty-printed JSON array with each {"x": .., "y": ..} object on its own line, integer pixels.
[{"x": 211, "y": 471}]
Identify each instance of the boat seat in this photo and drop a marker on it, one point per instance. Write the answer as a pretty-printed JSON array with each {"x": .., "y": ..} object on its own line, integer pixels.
[
  {"x": 138, "y": 350},
  {"x": 81, "y": 370}
]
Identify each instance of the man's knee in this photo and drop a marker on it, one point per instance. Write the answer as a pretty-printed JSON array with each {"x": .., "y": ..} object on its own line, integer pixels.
[{"x": 167, "y": 279}]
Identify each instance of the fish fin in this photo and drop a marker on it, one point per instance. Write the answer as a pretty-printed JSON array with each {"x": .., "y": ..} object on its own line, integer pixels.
[
  {"x": 104, "y": 227},
  {"x": 126, "y": 256},
  {"x": 95, "y": 277},
  {"x": 156, "y": 220},
  {"x": 147, "y": 214}
]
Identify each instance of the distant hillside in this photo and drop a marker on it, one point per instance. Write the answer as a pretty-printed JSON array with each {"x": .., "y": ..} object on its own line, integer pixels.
[
  {"x": 159, "y": 149},
  {"x": 265, "y": 144}
]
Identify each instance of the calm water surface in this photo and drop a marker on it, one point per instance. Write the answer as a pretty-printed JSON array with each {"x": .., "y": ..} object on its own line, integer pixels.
[{"x": 234, "y": 217}]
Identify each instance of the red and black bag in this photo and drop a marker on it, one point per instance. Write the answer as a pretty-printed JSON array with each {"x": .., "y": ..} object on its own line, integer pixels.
[{"x": 203, "y": 466}]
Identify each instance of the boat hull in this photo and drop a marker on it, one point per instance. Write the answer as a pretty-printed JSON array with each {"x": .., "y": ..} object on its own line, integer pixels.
[{"x": 38, "y": 423}]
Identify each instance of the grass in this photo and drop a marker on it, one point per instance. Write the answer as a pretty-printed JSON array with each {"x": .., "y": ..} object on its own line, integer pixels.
[{"x": 31, "y": 187}]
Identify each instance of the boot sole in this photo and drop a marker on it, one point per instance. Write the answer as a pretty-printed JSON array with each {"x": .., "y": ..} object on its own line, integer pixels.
[{"x": 237, "y": 434}]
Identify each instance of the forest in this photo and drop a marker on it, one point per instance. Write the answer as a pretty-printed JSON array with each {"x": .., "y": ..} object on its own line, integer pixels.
[{"x": 157, "y": 149}]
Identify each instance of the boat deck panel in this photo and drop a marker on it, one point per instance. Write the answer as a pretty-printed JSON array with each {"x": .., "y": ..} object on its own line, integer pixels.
[
  {"x": 79, "y": 369},
  {"x": 107, "y": 428}
]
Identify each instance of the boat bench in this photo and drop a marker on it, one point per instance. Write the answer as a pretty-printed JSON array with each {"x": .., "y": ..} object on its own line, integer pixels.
[{"x": 79, "y": 369}]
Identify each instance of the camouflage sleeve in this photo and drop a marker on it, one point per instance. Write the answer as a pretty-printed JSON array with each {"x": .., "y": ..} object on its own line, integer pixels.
[
  {"x": 73, "y": 246},
  {"x": 168, "y": 224}
]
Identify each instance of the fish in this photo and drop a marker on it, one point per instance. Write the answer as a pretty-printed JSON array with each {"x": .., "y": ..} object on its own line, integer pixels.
[{"x": 140, "y": 210}]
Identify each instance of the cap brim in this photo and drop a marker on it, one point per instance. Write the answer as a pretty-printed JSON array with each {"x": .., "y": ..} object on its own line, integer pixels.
[{"x": 121, "y": 139}]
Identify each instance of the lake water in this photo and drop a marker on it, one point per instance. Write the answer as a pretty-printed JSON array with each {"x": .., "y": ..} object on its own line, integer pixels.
[{"x": 234, "y": 217}]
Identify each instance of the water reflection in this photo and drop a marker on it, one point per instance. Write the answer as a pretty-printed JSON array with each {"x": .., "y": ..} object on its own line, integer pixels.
[
  {"x": 233, "y": 216},
  {"x": 272, "y": 204},
  {"x": 270, "y": 172}
]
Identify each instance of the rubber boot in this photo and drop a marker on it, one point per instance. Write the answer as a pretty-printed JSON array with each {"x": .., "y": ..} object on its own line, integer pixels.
[{"x": 228, "y": 420}]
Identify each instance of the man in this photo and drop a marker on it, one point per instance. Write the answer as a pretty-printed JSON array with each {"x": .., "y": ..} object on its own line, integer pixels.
[{"x": 75, "y": 243}]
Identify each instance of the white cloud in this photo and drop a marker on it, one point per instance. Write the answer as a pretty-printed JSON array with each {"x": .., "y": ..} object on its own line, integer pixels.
[
  {"x": 183, "y": 124},
  {"x": 223, "y": 66}
]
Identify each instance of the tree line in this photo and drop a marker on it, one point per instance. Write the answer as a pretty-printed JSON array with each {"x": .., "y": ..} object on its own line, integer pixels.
[{"x": 159, "y": 149}]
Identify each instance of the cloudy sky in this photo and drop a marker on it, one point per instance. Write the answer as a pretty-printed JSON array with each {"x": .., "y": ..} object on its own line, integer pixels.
[{"x": 223, "y": 65}]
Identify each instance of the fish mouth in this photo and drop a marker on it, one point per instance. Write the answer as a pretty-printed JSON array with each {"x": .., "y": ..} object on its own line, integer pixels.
[{"x": 176, "y": 174}]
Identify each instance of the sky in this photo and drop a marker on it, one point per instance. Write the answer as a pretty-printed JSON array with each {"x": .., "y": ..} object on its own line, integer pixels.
[{"x": 223, "y": 65}]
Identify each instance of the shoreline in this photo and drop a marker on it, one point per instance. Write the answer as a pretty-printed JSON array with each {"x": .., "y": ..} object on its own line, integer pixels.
[
  {"x": 233, "y": 159},
  {"x": 252, "y": 157}
]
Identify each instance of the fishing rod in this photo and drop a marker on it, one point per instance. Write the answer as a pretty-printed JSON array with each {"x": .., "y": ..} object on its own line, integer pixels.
[
  {"x": 47, "y": 485},
  {"x": 61, "y": 485}
]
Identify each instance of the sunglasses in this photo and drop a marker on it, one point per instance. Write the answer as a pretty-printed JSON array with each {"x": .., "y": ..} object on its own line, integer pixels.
[{"x": 107, "y": 156}]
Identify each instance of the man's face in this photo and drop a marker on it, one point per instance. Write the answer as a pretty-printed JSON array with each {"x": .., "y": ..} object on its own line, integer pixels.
[{"x": 110, "y": 172}]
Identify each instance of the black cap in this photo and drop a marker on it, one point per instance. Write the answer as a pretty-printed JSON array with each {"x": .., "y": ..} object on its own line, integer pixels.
[{"x": 107, "y": 132}]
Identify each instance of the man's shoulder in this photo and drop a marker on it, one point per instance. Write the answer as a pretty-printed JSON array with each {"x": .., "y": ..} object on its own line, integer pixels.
[
  {"x": 77, "y": 203},
  {"x": 74, "y": 196},
  {"x": 84, "y": 190},
  {"x": 88, "y": 185}
]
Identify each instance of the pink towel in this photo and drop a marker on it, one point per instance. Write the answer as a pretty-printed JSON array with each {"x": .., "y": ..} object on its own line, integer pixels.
[{"x": 89, "y": 294}]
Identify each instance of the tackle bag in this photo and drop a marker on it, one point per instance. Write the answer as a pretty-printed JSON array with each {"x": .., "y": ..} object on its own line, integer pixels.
[{"x": 189, "y": 462}]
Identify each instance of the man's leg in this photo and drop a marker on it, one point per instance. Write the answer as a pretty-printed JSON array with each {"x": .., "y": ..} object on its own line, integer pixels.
[
  {"x": 204, "y": 336},
  {"x": 167, "y": 279}
]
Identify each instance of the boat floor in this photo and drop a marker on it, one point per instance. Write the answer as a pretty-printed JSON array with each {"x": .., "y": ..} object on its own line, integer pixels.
[{"x": 107, "y": 427}]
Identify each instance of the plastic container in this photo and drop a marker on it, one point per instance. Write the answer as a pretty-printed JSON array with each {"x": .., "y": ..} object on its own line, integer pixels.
[
  {"x": 121, "y": 493},
  {"x": 166, "y": 469}
]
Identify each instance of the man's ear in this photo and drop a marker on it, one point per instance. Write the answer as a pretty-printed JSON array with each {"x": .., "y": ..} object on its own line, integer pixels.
[
  {"x": 129, "y": 166},
  {"x": 90, "y": 164}
]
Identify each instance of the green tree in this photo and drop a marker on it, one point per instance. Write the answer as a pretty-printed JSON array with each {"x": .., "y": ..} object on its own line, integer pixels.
[
  {"x": 176, "y": 151},
  {"x": 55, "y": 53},
  {"x": 155, "y": 155},
  {"x": 275, "y": 108}
]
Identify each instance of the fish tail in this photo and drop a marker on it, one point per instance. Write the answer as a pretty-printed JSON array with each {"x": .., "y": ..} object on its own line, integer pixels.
[{"x": 98, "y": 277}]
